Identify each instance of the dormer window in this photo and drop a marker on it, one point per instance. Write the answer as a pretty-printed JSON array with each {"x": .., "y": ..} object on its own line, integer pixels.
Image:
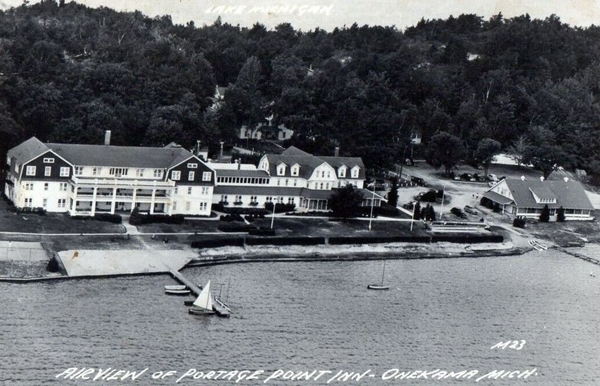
[
  {"x": 295, "y": 170},
  {"x": 281, "y": 170},
  {"x": 342, "y": 172},
  {"x": 355, "y": 171}
]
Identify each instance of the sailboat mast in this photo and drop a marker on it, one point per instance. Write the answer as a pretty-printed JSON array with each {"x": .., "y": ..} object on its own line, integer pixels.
[{"x": 383, "y": 272}]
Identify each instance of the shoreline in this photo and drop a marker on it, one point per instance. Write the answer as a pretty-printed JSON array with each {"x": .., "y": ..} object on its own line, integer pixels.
[{"x": 258, "y": 254}]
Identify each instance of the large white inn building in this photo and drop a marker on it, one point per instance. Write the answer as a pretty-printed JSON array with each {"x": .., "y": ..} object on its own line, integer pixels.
[{"x": 90, "y": 179}]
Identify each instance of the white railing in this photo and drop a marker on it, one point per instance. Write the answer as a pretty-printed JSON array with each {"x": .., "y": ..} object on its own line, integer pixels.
[{"x": 117, "y": 182}]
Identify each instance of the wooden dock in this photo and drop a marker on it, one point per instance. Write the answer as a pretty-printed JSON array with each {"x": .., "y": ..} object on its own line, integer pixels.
[{"x": 185, "y": 281}]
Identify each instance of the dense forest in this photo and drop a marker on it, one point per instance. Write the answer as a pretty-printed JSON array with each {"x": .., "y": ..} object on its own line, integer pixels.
[{"x": 68, "y": 72}]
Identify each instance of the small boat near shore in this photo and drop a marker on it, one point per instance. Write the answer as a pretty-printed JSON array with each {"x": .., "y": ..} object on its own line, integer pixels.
[
  {"x": 380, "y": 286},
  {"x": 177, "y": 290}
]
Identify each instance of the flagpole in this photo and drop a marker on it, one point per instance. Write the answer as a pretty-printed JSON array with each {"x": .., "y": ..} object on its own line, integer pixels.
[
  {"x": 273, "y": 215},
  {"x": 372, "y": 202}
]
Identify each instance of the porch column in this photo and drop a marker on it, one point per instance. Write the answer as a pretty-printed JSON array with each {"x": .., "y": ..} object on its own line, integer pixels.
[
  {"x": 152, "y": 201},
  {"x": 133, "y": 196},
  {"x": 94, "y": 200},
  {"x": 114, "y": 201}
]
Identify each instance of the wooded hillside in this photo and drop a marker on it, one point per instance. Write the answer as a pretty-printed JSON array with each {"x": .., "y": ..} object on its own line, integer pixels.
[{"x": 68, "y": 72}]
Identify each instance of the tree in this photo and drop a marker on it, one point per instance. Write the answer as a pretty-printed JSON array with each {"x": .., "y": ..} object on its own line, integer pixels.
[
  {"x": 560, "y": 214},
  {"x": 445, "y": 150},
  {"x": 543, "y": 152},
  {"x": 431, "y": 213},
  {"x": 485, "y": 152},
  {"x": 545, "y": 215},
  {"x": 417, "y": 211},
  {"x": 393, "y": 194},
  {"x": 345, "y": 202}
]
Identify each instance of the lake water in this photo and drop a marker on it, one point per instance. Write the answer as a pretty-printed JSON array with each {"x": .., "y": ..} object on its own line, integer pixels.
[{"x": 443, "y": 313}]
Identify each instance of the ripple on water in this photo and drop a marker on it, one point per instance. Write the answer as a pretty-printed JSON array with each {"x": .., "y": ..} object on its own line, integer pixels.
[{"x": 318, "y": 315}]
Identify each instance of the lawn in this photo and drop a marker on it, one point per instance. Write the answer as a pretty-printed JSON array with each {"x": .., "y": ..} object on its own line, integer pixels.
[
  {"x": 322, "y": 227},
  {"x": 569, "y": 231},
  {"x": 11, "y": 221},
  {"x": 187, "y": 226}
]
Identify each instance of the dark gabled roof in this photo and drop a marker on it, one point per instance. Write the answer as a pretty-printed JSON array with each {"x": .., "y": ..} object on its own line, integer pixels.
[
  {"x": 308, "y": 162},
  {"x": 27, "y": 150},
  {"x": 121, "y": 156},
  {"x": 241, "y": 173},
  {"x": 569, "y": 194}
]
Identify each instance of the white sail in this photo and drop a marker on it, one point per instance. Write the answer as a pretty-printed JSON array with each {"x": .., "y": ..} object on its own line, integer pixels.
[{"x": 205, "y": 299}]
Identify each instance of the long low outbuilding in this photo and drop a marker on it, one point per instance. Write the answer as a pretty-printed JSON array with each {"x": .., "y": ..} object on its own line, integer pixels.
[{"x": 522, "y": 197}]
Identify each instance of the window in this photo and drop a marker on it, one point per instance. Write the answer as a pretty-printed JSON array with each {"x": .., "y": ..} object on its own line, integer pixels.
[
  {"x": 45, "y": 186},
  {"x": 95, "y": 171},
  {"x": 45, "y": 202},
  {"x": 139, "y": 173},
  {"x": 203, "y": 206},
  {"x": 63, "y": 186},
  {"x": 62, "y": 202},
  {"x": 30, "y": 171},
  {"x": 174, "y": 205},
  {"x": 206, "y": 176},
  {"x": 29, "y": 202},
  {"x": 78, "y": 170},
  {"x": 175, "y": 175},
  {"x": 280, "y": 170},
  {"x": 223, "y": 198},
  {"x": 175, "y": 190},
  {"x": 280, "y": 200},
  {"x": 118, "y": 172},
  {"x": 157, "y": 173},
  {"x": 269, "y": 199},
  {"x": 253, "y": 199},
  {"x": 204, "y": 190},
  {"x": 287, "y": 182},
  {"x": 295, "y": 170},
  {"x": 187, "y": 205},
  {"x": 192, "y": 166},
  {"x": 238, "y": 198},
  {"x": 191, "y": 176},
  {"x": 342, "y": 172},
  {"x": 28, "y": 186},
  {"x": 47, "y": 171},
  {"x": 189, "y": 190},
  {"x": 355, "y": 172},
  {"x": 64, "y": 171},
  {"x": 290, "y": 200},
  {"x": 48, "y": 160}
]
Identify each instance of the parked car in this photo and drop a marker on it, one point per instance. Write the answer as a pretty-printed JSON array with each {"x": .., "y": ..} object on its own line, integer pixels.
[{"x": 492, "y": 177}]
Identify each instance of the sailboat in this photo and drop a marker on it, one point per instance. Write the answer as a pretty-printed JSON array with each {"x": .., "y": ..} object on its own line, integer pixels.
[
  {"x": 203, "y": 305},
  {"x": 379, "y": 286}
]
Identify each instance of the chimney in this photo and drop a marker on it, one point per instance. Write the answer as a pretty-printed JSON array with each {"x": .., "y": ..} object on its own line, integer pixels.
[
  {"x": 197, "y": 147},
  {"x": 566, "y": 179},
  {"x": 107, "y": 137},
  {"x": 239, "y": 163},
  {"x": 522, "y": 178},
  {"x": 336, "y": 152},
  {"x": 542, "y": 178},
  {"x": 221, "y": 151}
]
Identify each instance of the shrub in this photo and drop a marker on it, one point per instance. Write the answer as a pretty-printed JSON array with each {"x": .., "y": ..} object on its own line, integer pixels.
[
  {"x": 545, "y": 215},
  {"x": 286, "y": 241},
  {"x": 429, "y": 196},
  {"x": 137, "y": 218},
  {"x": 107, "y": 217},
  {"x": 221, "y": 242},
  {"x": 231, "y": 217},
  {"x": 235, "y": 227},
  {"x": 279, "y": 208},
  {"x": 262, "y": 232},
  {"x": 560, "y": 214},
  {"x": 40, "y": 211},
  {"x": 458, "y": 212},
  {"x": 519, "y": 222}
]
